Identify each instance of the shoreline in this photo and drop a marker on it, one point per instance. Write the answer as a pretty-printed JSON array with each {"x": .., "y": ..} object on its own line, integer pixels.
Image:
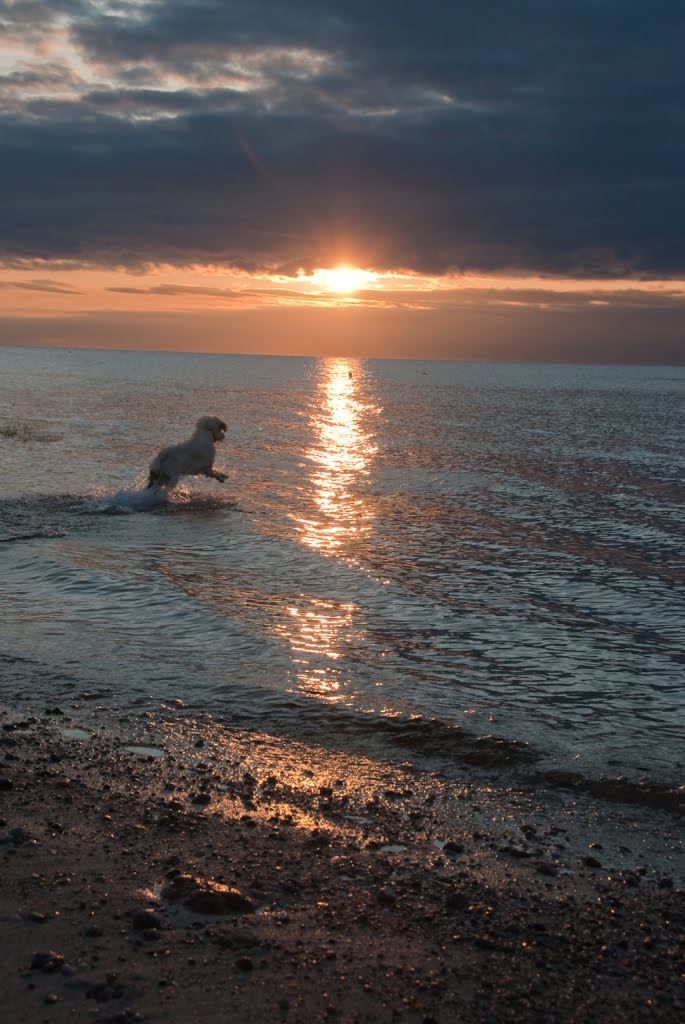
[{"x": 175, "y": 870}]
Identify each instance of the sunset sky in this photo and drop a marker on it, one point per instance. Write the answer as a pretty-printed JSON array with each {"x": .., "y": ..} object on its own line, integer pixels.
[{"x": 495, "y": 180}]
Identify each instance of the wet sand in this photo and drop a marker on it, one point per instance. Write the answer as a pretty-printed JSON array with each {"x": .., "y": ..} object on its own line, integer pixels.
[{"x": 168, "y": 869}]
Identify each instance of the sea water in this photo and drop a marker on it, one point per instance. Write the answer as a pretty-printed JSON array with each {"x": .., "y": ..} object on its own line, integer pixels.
[{"x": 449, "y": 563}]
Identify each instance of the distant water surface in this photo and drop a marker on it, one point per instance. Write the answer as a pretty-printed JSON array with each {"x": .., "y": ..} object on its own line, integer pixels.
[{"x": 446, "y": 562}]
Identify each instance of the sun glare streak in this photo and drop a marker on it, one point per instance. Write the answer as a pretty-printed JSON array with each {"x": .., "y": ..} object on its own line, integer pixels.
[
  {"x": 318, "y": 629},
  {"x": 340, "y": 456},
  {"x": 315, "y": 631}
]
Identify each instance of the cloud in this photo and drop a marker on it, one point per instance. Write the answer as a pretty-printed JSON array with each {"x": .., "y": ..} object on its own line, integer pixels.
[
  {"x": 176, "y": 289},
  {"x": 41, "y": 285},
  {"x": 485, "y": 137}
]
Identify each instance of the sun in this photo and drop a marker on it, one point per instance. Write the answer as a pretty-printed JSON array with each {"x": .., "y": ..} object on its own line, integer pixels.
[{"x": 343, "y": 279}]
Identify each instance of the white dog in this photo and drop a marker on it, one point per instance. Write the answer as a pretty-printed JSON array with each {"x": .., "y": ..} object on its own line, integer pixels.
[{"x": 192, "y": 458}]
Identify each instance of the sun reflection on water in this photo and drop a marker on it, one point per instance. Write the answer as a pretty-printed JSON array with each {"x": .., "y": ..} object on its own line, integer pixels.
[
  {"x": 314, "y": 632},
  {"x": 320, "y": 628},
  {"x": 340, "y": 456}
]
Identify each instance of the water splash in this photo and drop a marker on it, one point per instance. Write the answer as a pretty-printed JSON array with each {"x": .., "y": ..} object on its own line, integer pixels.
[
  {"x": 128, "y": 501},
  {"x": 140, "y": 498}
]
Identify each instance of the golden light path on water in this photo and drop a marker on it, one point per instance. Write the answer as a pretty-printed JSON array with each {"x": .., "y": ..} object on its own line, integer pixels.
[
  {"x": 342, "y": 453},
  {"x": 340, "y": 456}
]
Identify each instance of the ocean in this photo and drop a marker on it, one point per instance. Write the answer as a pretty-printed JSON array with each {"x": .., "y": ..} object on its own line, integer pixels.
[{"x": 463, "y": 566}]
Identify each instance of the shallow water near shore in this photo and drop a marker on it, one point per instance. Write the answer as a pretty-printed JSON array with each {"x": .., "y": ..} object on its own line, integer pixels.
[{"x": 455, "y": 564}]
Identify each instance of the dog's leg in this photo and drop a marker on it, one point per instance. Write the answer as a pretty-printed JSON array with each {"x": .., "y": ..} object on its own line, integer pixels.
[{"x": 160, "y": 480}]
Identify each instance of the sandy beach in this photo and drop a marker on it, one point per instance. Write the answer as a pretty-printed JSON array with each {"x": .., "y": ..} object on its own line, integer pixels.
[{"x": 172, "y": 870}]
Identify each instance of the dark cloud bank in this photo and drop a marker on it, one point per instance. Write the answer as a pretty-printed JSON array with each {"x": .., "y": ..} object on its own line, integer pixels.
[{"x": 491, "y": 136}]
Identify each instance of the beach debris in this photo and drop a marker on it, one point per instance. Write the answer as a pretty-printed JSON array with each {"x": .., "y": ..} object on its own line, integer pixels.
[{"x": 206, "y": 897}]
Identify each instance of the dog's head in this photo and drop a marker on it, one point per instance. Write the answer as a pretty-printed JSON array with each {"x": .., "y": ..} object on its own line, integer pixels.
[{"x": 215, "y": 426}]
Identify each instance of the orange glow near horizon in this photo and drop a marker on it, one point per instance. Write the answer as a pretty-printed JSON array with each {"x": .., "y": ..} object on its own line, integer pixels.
[
  {"x": 35, "y": 286},
  {"x": 343, "y": 309}
]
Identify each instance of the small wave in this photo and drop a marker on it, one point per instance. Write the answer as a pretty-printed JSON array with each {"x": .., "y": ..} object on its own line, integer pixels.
[
  {"x": 437, "y": 745},
  {"x": 655, "y": 795},
  {"x": 36, "y": 516},
  {"x": 436, "y": 739},
  {"x": 392, "y": 736},
  {"x": 28, "y": 432},
  {"x": 46, "y": 533},
  {"x": 432, "y": 738}
]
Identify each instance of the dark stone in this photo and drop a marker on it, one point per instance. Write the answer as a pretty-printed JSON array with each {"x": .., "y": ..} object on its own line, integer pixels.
[
  {"x": 105, "y": 990},
  {"x": 244, "y": 963},
  {"x": 515, "y": 851},
  {"x": 545, "y": 868},
  {"x": 452, "y": 847},
  {"x": 204, "y": 897},
  {"x": 20, "y": 835},
  {"x": 457, "y": 901},
  {"x": 48, "y": 962},
  {"x": 6, "y": 783},
  {"x": 144, "y": 920}
]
